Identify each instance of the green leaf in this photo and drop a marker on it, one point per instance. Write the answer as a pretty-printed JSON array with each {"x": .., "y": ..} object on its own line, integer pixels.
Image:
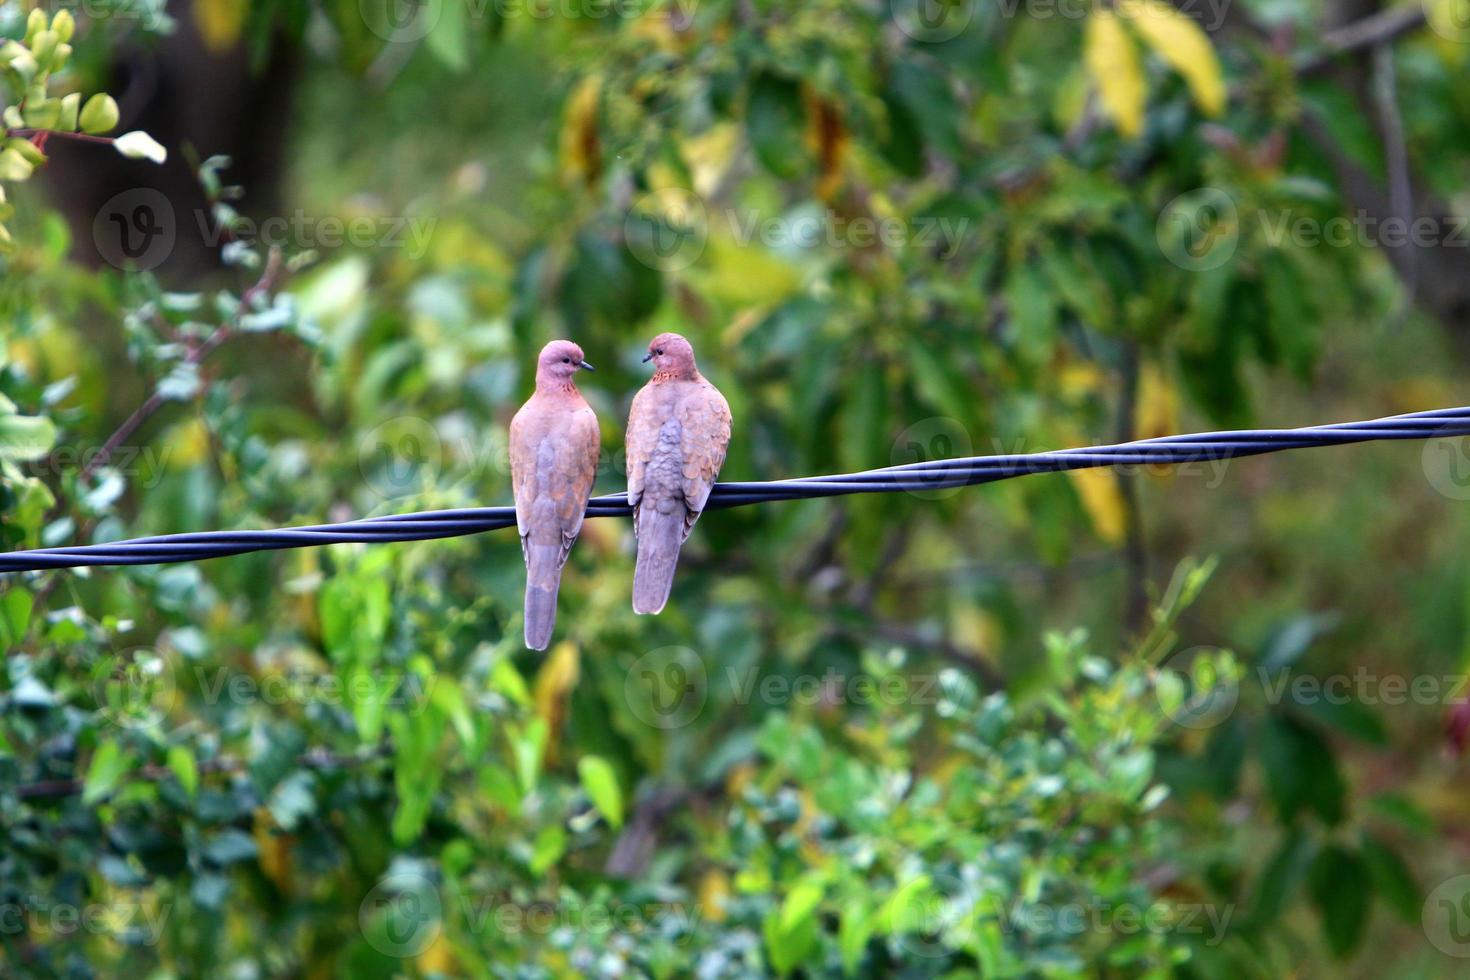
[
  {"x": 1342, "y": 890},
  {"x": 857, "y": 927},
  {"x": 25, "y": 438},
  {"x": 791, "y": 931},
  {"x": 550, "y": 845},
  {"x": 775, "y": 119},
  {"x": 1300, "y": 770},
  {"x": 13, "y": 166},
  {"x": 1394, "y": 879},
  {"x": 15, "y": 614},
  {"x": 108, "y": 766},
  {"x": 1281, "y": 876},
  {"x": 449, "y": 39},
  {"x": 929, "y": 100},
  {"x": 99, "y": 114},
  {"x": 600, "y": 784},
  {"x": 181, "y": 764},
  {"x": 229, "y": 846},
  {"x": 800, "y": 904},
  {"x": 528, "y": 746},
  {"x": 865, "y": 416}
]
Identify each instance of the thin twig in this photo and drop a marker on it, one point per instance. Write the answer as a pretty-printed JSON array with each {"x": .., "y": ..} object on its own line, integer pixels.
[
  {"x": 267, "y": 282},
  {"x": 1370, "y": 32},
  {"x": 1396, "y": 164},
  {"x": 1135, "y": 550},
  {"x": 60, "y": 134}
]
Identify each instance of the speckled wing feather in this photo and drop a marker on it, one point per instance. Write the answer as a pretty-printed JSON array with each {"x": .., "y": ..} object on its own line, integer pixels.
[
  {"x": 678, "y": 431},
  {"x": 642, "y": 435},
  {"x": 705, "y": 428}
]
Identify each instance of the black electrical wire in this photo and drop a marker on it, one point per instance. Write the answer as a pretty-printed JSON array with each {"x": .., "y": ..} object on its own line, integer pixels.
[{"x": 938, "y": 474}]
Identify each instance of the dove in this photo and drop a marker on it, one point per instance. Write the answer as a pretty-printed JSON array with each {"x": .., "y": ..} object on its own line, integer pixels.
[
  {"x": 678, "y": 431},
  {"x": 554, "y": 444}
]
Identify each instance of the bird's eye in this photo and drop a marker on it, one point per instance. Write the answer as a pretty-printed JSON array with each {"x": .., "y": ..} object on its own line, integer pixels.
[
  {"x": 659, "y": 352},
  {"x": 566, "y": 360}
]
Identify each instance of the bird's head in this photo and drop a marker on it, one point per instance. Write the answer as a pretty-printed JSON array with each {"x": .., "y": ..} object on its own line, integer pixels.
[
  {"x": 559, "y": 361},
  {"x": 671, "y": 355}
]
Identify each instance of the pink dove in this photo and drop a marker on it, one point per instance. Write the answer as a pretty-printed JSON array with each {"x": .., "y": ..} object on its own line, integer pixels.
[
  {"x": 554, "y": 443},
  {"x": 678, "y": 430}
]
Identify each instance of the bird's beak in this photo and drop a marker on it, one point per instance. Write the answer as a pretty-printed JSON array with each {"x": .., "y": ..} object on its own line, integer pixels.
[
  {"x": 648, "y": 357},
  {"x": 585, "y": 366}
]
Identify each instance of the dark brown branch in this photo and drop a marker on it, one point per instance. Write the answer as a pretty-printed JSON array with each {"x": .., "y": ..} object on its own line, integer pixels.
[{"x": 264, "y": 286}]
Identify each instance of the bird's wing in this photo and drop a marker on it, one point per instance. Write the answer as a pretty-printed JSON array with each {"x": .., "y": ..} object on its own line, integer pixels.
[
  {"x": 523, "y": 467},
  {"x": 705, "y": 430},
  {"x": 643, "y": 426},
  {"x": 574, "y": 472}
]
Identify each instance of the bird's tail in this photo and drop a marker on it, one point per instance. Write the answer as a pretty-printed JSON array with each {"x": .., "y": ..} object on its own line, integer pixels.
[
  {"x": 659, "y": 538},
  {"x": 543, "y": 579}
]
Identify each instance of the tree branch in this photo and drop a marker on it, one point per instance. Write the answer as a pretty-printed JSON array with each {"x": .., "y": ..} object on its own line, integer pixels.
[{"x": 1370, "y": 32}]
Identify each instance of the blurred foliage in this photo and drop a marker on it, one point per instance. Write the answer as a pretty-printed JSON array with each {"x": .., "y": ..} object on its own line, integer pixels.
[{"x": 866, "y": 738}]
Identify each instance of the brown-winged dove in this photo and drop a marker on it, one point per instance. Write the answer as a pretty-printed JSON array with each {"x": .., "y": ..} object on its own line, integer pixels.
[
  {"x": 554, "y": 443},
  {"x": 678, "y": 430}
]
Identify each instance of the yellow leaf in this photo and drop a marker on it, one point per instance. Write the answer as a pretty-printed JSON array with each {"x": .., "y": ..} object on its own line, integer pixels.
[
  {"x": 187, "y": 445},
  {"x": 1098, "y": 489},
  {"x": 1157, "y": 413},
  {"x": 1183, "y": 44},
  {"x": 554, "y": 684},
  {"x": 273, "y": 849},
  {"x": 1113, "y": 62},
  {"x": 828, "y": 138},
  {"x": 438, "y": 958},
  {"x": 710, "y": 154},
  {"x": 581, "y": 155},
  {"x": 219, "y": 22},
  {"x": 714, "y": 891}
]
